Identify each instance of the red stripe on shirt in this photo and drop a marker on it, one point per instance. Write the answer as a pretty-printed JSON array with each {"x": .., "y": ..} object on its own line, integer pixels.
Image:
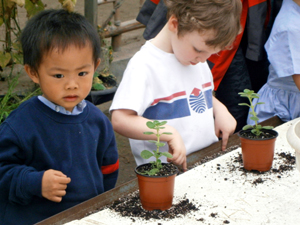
[
  {"x": 110, "y": 168},
  {"x": 182, "y": 93},
  {"x": 208, "y": 84}
]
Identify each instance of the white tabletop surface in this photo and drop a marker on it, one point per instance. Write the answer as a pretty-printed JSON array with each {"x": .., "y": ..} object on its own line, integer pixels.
[{"x": 229, "y": 194}]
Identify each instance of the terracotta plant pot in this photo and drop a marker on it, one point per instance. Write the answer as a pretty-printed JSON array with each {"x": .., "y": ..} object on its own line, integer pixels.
[
  {"x": 258, "y": 154},
  {"x": 156, "y": 192}
]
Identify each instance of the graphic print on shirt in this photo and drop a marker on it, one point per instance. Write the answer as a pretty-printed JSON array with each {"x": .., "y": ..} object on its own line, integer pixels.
[
  {"x": 171, "y": 107},
  {"x": 199, "y": 100}
]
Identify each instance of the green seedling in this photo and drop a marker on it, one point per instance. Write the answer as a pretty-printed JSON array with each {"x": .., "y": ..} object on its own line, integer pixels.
[
  {"x": 146, "y": 154},
  {"x": 257, "y": 128}
]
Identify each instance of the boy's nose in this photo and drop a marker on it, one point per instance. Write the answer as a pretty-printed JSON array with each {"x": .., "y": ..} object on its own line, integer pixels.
[
  {"x": 72, "y": 84},
  {"x": 203, "y": 57}
]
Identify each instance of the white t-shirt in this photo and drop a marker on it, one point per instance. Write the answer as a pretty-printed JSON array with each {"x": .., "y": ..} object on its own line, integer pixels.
[{"x": 158, "y": 87}]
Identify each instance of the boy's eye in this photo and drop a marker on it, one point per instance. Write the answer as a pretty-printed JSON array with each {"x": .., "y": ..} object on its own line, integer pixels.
[
  {"x": 197, "y": 50},
  {"x": 58, "y": 76},
  {"x": 82, "y": 74}
]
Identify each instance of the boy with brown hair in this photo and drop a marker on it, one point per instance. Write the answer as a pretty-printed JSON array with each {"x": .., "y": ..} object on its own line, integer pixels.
[{"x": 169, "y": 79}]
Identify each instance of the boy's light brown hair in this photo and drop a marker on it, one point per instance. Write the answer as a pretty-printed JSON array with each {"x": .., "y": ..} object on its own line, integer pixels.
[{"x": 220, "y": 16}]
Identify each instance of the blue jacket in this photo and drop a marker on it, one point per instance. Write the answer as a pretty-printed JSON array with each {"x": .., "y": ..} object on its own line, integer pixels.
[{"x": 35, "y": 138}]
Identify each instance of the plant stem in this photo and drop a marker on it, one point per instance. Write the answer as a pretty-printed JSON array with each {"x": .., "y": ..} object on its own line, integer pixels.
[{"x": 157, "y": 147}]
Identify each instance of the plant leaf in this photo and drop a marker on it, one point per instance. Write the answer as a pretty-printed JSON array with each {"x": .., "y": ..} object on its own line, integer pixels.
[
  {"x": 254, "y": 118},
  {"x": 33, "y": 8},
  {"x": 4, "y": 59},
  {"x": 148, "y": 132},
  {"x": 268, "y": 127},
  {"x": 162, "y": 123},
  {"x": 150, "y": 124},
  {"x": 167, "y": 154},
  {"x": 246, "y": 127},
  {"x": 98, "y": 87},
  {"x": 258, "y": 127},
  {"x": 160, "y": 144},
  {"x": 153, "y": 171},
  {"x": 168, "y": 133},
  {"x": 146, "y": 154},
  {"x": 244, "y": 104}
]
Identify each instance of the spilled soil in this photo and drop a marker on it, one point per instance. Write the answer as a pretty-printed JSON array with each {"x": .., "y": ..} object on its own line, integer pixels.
[{"x": 130, "y": 206}]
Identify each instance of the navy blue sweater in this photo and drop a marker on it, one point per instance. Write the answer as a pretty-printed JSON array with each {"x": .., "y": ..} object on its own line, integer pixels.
[{"x": 35, "y": 138}]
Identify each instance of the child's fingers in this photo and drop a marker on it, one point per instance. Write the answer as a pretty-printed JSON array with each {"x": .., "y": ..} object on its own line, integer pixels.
[
  {"x": 64, "y": 180},
  {"x": 57, "y": 197},
  {"x": 179, "y": 159},
  {"x": 184, "y": 165},
  {"x": 225, "y": 138}
]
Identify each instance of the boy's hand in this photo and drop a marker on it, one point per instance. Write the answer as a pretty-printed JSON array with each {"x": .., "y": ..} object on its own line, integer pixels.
[
  {"x": 54, "y": 184},
  {"x": 224, "y": 126},
  {"x": 177, "y": 149},
  {"x": 225, "y": 123}
]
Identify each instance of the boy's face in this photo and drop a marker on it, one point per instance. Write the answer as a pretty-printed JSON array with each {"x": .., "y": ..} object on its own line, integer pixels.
[
  {"x": 190, "y": 48},
  {"x": 65, "y": 77}
]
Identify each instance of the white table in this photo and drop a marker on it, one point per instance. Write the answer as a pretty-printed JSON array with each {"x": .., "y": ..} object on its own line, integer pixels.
[{"x": 230, "y": 195}]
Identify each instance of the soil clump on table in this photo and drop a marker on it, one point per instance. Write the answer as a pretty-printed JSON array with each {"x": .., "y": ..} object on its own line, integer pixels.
[{"x": 132, "y": 207}]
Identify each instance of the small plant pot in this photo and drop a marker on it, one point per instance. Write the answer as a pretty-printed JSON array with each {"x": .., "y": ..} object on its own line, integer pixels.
[
  {"x": 156, "y": 192},
  {"x": 293, "y": 138},
  {"x": 258, "y": 154}
]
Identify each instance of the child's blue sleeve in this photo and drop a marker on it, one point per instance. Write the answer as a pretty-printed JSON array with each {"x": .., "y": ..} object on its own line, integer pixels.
[
  {"x": 110, "y": 160},
  {"x": 18, "y": 182}
]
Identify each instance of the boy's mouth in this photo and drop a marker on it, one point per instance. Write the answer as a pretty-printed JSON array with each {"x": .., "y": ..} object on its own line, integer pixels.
[{"x": 71, "y": 98}]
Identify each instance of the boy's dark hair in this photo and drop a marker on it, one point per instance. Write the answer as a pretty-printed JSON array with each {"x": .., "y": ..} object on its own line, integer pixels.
[
  {"x": 220, "y": 16},
  {"x": 57, "y": 29}
]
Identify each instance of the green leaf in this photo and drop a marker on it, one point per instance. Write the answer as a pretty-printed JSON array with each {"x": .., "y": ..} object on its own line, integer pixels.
[
  {"x": 162, "y": 123},
  {"x": 254, "y": 118},
  {"x": 248, "y": 91},
  {"x": 156, "y": 154},
  {"x": 167, "y": 154},
  {"x": 244, "y": 104},
  {"x": 148, "y": 132},
  {"x": 256, "y": 132},
  {"x": 33, "y": 8},
  {"x": 160, "y": 144},
  {"x": 150, "y": 124},
  {"x": 167, "y": 133},
  {"x": 152, "y": 141},
  {"x": 96, "y": 74},
  {"x": 4, "y": 59},
  {"x": 153, "y": 171},
  {"x": 98, "y": 87},
  {"x": 260, "y": 103},
  {"x": 246, "y": 127},
  {"x": 268, "y": 127},
  {"x": 258, "y": 127},
  {"x": 251, "y": 113},
  {"x": 146, "y": 154}
]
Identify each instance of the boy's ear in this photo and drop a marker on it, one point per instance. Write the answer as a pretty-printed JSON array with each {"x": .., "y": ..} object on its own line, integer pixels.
[
  {"x": 97, "y": 63},
  {"x": 31, "y": 73},
  {"x": 173, "y": 24}
]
